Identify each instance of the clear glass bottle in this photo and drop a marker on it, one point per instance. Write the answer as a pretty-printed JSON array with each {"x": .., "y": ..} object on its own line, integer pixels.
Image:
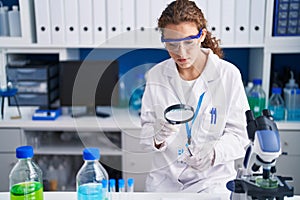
[
  {"x": 276, "y": 104},
  {"x": 26, "y": 178},
  {"x": 290, "y": 97},
  {"x": 257, "y": 98},
  {"x": 90, "y": 176}
]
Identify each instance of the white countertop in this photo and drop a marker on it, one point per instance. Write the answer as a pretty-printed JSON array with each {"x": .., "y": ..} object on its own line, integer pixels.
[
  {"x": 119, "y": 119},
  {"x": 137, "y": 196}
]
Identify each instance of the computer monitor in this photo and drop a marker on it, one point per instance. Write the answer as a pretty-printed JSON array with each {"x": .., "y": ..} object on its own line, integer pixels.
[{"x": 89, "y": 84}]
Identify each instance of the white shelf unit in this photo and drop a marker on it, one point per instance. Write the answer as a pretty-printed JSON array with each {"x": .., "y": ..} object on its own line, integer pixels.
[{"x": 259, "y": 67}]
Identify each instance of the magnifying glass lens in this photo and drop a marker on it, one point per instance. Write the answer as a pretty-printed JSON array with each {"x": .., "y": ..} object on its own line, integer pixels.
[{"x": 179, "y": 113}]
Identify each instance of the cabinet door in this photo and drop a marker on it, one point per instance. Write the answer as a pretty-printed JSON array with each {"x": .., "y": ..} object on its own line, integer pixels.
[
  {"x": 289, "y": 166},
  {"x": 10, "y": 139},
  {"x": 136, "y": 161},
  {"x": 7, "y": 163}
]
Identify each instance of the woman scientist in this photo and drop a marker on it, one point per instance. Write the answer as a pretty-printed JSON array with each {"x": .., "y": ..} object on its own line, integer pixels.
[{"x": 195, "y": 75}]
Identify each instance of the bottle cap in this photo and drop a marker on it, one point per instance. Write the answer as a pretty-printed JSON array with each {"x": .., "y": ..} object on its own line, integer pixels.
[
  {"x": 91, "y": 154},
  {"x": 15, "y": 7},
  {"x": 130, "y": 182},
  {"x": 104, "y": 183},
  {"x": 257, "y": 81},
  {"x": 121, "y": 183},
  {"x": 24, "y": 152},
  {"x": 276, "y": 90},
  {"x": 112, "y": 182},
  {"x": 292, "y": 83}
]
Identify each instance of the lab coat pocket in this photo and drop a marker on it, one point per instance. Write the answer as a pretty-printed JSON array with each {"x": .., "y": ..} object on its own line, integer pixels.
[{"x": 212, "y": 122}]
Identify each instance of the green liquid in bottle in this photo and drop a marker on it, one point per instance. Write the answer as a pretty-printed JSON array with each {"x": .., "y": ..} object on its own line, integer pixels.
[
  {"x": 257, "y": 105},
  {"x": 27, "y": 190}
]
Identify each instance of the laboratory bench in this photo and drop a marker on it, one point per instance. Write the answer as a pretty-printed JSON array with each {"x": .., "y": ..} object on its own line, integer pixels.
[
  {"x": 117, "y": 137},
  {"x": 138, "y": 196}
]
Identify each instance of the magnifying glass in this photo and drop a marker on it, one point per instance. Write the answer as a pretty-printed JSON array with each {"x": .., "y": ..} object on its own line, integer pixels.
[{"x": 179, "y": 114}]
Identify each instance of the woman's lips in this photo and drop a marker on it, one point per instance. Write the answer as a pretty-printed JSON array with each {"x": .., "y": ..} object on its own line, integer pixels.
[{"x": 182, "y": 60}]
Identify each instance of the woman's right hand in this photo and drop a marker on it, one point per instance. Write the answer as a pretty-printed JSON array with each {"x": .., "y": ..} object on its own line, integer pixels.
[{"x": 163, "y": 130}]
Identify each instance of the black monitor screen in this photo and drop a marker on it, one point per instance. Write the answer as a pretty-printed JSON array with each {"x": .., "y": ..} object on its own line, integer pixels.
[{"x": 88, "y": 83}]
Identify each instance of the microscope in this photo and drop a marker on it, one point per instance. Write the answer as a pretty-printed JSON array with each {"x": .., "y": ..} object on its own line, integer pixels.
[{"x": 252, "y": 182}]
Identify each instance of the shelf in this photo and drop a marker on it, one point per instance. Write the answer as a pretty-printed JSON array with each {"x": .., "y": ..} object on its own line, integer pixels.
[
  {"x": 73, "y": 150},
  {"x": 290, "y": 44}
]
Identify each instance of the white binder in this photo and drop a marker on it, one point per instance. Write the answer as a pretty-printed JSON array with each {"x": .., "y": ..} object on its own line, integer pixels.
[
  {"x": 142, "y": 11},
  {"x": 202, "y": 4},
  {"x": 113, "y": 19},
  {"x": 42, "y": 20},
  {"x": 242, "y": 20},
  {"x": 99, "y": 16},
  {"x": 57, "y": 21},
  {"x": 257, "y": 21},
  {"x": 86, "y": 22},
  {"x": 227, "y": 23},
  {"x": 156, "y": 8},
  {"x": 128, "y": 22},
  {"x": 214, "y": 17},
  {"x": 71, "y": 21}
]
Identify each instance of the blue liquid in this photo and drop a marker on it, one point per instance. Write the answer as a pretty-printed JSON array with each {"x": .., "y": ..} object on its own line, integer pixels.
[
  {"x": 90, "y": 191},
  {"x": 277, "y": 112}
]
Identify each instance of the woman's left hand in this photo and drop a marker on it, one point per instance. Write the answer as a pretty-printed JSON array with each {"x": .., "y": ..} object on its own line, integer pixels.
[{"x": 202, "y": 158}]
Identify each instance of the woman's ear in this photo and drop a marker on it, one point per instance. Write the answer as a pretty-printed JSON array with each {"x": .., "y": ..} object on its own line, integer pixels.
[{"x": 203, "y": 35}]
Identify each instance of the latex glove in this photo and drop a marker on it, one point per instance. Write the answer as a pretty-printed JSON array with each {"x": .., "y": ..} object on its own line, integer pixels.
[
  {"x": 163, "y": 130},
  {"x": 202, "y": 158}
]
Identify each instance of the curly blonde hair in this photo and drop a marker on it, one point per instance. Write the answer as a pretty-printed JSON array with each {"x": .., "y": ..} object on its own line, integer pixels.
[{"x": 187, "y": 11}]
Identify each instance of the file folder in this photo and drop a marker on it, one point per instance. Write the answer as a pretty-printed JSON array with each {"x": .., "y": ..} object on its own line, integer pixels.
[
  {"x": 71, "y": 21},
  {"x": 214, "y": 17},
  {"x": 227, "y": 24},
  {"x": 257, "y": 21},
  {"x": 86, "y": 22},
  {"x": 143, "y": 22},
  {"x": 42, "y": 20},
  {"x": 113, "y": 19},
  {"x": 57, "y": 21},
  {"x": 242, "y": 20},
  {"x": 99, "y": 16}
]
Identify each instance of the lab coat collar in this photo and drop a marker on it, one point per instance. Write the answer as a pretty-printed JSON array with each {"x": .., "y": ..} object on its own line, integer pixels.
[{"x": 209, "y": 73}]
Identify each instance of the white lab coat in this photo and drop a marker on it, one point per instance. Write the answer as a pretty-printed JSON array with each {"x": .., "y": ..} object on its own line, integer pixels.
[{"x": 224, "y": 90}]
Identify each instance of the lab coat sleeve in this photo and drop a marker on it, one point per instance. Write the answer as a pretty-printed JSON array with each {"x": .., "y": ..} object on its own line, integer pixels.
[
  {"x": 148, "y": 118},
  {"x": 231, "y": 145}
]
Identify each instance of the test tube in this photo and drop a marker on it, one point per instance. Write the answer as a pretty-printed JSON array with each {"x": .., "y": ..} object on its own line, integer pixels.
[
  {"x": 104, "y": 189},
  {"x": 130, "y": 185},
  {"x": 121, "y": 184},
  {"x": 112, "y": 185}
]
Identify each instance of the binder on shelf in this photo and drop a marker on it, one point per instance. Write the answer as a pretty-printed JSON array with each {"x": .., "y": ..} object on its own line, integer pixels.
[
  {"x": 242, "y": 18},
  {"x": 86, "y": 22},
  {"x": 113, "y": 21},
  {"x": 57, "y": 21},
  {"x": 42, "y": 20},
  {"x": 71, "y": 21},
  {"x": 228, "y": 20},
  {"x": 99, "y": 17},
  {"x": 128, "y": 22},
  {"x": 202, "y": 4},
  {"x": 142, "y": 17},
  {"x": 157, "y": 7},
  {"x": 214, "y": 17},
  {"x": 257, "y": 21}
]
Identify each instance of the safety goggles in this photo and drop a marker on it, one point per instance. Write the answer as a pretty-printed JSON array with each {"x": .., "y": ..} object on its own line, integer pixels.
[{"x": 186, "y": 43}]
